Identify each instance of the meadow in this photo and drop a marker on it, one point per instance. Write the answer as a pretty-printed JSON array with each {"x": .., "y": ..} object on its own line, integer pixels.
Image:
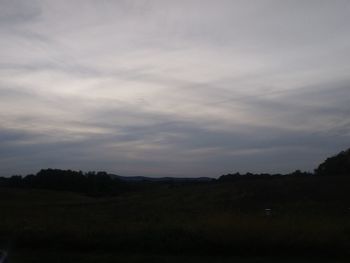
[{"x": 200, "y": 222}]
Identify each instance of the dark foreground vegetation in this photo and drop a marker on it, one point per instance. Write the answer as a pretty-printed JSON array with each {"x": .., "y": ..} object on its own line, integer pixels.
[{"x": 253, "y": 218}]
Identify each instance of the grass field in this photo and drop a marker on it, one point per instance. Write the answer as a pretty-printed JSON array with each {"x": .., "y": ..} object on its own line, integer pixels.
[{"x": 191, "y": 223}]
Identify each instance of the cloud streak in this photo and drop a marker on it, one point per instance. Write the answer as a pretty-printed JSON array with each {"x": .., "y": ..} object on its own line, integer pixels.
[{"x": 181, "y": 88}]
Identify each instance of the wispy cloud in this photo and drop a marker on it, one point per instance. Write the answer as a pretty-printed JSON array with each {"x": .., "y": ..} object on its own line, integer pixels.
[{"x": 173, "y": 87}]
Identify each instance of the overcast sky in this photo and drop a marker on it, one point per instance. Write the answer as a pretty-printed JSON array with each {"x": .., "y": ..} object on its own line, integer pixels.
[{"x": 173, "y": 88}]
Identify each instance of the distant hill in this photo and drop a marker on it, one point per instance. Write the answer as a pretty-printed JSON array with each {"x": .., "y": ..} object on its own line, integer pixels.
[
  {"x": 336, "y": 165},
  {"x": 160, "y": 179}
]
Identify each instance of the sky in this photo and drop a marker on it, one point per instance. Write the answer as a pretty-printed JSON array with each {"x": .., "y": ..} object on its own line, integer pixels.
[{"x": 173, "y": 88}]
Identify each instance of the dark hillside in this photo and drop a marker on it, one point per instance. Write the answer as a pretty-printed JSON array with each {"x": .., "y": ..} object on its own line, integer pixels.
[{"x": 308, "y": 217}]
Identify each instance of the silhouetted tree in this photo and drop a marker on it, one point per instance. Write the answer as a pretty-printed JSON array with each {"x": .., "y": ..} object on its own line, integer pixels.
[{"x": 336, "y": 165}]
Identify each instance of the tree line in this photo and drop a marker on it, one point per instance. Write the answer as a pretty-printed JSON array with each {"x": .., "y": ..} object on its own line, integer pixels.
[
  {"x": 337, "y": 165},
  {"x": 92, "y": 183},
  {"x": 101, "y": 183}
]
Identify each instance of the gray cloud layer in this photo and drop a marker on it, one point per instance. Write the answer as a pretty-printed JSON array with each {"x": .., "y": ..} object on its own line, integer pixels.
[{"x": 173, "y": 88}]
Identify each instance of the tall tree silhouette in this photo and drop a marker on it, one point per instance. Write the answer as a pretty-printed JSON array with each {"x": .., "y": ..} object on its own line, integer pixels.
[{"x": 336, "y": 165}]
